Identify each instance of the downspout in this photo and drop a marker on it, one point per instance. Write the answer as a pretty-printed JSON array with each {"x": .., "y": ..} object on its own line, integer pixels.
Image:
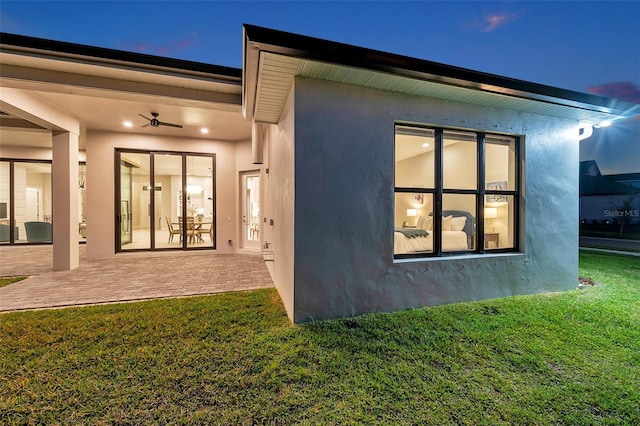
[
  {"x": 585, "y": 131},
  {"x": 257, "y": 142}
]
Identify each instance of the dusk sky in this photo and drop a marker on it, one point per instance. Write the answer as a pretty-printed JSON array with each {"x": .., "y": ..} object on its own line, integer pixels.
[{"x": 586, "y": 46}]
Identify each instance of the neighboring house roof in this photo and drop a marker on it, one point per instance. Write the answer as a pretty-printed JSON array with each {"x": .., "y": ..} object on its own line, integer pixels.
[
  {"x": 626, "y": 178},
  {"x": 592, "y": 182},
  {"x": 590, "y": 168},
  {"x": 272, "y": 59},
  {"x": 600, "y": 185}
]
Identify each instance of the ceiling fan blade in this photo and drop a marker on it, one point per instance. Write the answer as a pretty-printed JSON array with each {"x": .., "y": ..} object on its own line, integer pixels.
[
  {"x": 146, "y": 118},
  {"x": 146, "y": 125},
  {"x": 162, "y": 123}
]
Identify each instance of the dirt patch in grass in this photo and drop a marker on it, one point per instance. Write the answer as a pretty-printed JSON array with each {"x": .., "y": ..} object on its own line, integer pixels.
[{"x": 586, "y": 281}]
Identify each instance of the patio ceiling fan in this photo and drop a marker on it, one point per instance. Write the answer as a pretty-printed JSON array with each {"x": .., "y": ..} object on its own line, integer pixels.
[{"x": 154, "y": 122}]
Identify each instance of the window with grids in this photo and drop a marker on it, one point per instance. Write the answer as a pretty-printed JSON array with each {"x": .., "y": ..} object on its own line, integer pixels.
[{"x": 456, "y": 192}]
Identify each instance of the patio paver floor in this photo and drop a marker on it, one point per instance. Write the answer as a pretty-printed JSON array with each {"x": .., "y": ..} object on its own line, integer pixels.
[{"x": 125, "y": 277}]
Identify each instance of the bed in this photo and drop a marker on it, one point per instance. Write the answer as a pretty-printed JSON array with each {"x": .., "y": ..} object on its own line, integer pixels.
[{"x": 420, "y": 239}]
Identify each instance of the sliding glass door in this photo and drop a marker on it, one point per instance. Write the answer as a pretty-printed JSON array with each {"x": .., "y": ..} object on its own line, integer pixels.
[
  {"x": 26, "y": 213},
  {"x": 152, "y": 188}
]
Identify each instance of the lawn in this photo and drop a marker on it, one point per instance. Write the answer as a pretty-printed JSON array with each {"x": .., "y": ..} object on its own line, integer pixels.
[
  {"x": 10, "y": 280},
  {"x": 234, "y": 359}
]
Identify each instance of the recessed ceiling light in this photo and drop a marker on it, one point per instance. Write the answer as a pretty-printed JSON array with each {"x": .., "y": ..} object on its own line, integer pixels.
[
  {"x": 127, "y": 124},
  {"x": 204, "y": 130},
  {"x": 425, "y": 145}
]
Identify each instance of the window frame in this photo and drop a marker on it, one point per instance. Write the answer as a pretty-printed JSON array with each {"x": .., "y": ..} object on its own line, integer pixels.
[{"x": 480, "y": 192}]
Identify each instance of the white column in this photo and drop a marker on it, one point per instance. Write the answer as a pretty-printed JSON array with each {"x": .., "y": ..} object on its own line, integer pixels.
[{"x": 65, "y": 202}]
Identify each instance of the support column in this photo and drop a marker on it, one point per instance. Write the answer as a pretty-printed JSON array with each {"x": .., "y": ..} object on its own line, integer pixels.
[{"x": 65, "y": 202}]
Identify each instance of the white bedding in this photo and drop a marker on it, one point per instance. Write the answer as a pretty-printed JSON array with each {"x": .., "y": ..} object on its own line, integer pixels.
[{"x": 451, "y": 241}]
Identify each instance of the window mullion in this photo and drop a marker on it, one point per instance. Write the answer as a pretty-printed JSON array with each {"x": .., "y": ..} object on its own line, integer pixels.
[
  {"x": 152, "y": 200},
  {"x": 439, "y": 183},
  {"x": 480, "y": 139}
]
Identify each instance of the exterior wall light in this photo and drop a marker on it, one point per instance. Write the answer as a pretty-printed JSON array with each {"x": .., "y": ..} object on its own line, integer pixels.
[{"x": 605, "y": 123}]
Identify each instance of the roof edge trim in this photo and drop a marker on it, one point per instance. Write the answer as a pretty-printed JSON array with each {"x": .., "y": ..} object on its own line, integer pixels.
[
  {"x": 13, "y": 43},
  {"x": 275, "y": 41}
]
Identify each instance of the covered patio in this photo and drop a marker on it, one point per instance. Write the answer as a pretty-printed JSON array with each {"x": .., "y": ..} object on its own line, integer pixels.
[{"x": 125, "y": 278}]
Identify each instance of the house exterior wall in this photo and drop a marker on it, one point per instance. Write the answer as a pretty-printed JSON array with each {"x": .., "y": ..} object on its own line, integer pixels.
[
  {"x": 100, "y": 154},
  {"x": 278, "y": 186},
  {"x": 344, "y": 204}
]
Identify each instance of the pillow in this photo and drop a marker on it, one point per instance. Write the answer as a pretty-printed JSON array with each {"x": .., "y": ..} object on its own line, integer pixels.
[
  {"x": 457, "y": 223},
  {"x": 425, "y": 222},
  {"x": 446, "y": 223},
  {"x": 421, "y": 223},
  {"x": 428, "y": 223}
]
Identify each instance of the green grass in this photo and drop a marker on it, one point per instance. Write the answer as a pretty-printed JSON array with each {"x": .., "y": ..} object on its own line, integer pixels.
[
  {"x": 234, "y": 359},
  {"x": 10, "y": 280}
]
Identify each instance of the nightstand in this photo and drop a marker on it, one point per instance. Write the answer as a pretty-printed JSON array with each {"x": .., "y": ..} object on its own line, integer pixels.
[{"x": 491, "y": 237}]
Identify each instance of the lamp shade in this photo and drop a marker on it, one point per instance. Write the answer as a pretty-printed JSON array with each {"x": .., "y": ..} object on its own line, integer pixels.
[
  {"x": 412, "y": 212},
  {"x": 490, "y": 213}
]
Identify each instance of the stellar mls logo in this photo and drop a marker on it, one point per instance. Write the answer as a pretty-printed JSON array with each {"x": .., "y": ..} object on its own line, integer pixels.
[{"x": 621, "y": 213}]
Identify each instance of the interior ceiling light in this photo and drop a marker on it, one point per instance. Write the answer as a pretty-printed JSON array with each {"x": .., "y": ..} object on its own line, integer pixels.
[
  {"x": 127, "y": 124},
  {"x": 425, "y": 145},
  {"x": 204, "y": 130}
]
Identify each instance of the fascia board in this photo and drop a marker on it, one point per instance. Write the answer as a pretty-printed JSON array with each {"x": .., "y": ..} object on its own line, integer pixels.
[{"x": 315, "y": 49}]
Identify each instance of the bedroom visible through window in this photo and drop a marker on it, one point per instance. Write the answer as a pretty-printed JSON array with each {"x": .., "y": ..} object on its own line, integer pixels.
[{"x": 456, "y": 192}]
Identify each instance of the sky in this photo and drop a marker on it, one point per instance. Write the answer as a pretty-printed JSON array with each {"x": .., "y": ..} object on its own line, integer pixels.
[{"x": 586, "y": 46}]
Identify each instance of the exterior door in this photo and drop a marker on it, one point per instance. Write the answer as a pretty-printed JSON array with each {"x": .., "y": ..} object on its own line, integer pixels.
[{"x": 250, "y": 208}]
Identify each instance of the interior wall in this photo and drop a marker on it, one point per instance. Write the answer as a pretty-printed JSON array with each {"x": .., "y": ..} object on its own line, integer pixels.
[
  {"x": 100, "y": 157},
  {"x": 344, "y": 201}
]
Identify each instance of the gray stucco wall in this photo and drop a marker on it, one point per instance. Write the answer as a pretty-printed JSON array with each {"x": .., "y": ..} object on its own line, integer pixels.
[
  {"x": 343, "y": 261},
  {"x": 278, "y": 200}
]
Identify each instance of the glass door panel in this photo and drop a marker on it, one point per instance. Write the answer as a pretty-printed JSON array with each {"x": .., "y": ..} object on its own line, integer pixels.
[
  {"x": 251, "y": 211},
  {"x": 82, "y": 202},
  {"x": 168, "y": 192},
  {"x": 5, "y": 203},
  {"x": 199, "y": 220},
  {"x": 135, "y": 201},
  {"x": 32, "y": 202},
  {"x": 124, "y": 215}
]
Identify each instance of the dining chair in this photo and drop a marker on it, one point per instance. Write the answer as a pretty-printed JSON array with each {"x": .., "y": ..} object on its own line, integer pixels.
[
  {"x": 206, "y": 229},
  {"x": 173, "y": 231},
  {"x": 192, "y": 229}
]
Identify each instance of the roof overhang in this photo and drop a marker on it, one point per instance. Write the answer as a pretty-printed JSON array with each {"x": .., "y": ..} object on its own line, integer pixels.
[
  {"x": 272, "y": 59},
  {"x": 54, "y": 66},
  {"x": 103, "y": 88}
]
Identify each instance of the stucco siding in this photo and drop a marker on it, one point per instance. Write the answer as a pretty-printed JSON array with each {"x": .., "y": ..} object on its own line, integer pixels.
[
  {"x": 278, "y": 203},
  {"x": 344, "y": 174}
]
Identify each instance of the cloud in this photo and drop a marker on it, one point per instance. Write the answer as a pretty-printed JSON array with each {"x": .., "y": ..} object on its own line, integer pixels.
[
  {"x": 622, "y": 90},
  {"x": 171, "y": 48},
  {"x": 493, "y": 21}
]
